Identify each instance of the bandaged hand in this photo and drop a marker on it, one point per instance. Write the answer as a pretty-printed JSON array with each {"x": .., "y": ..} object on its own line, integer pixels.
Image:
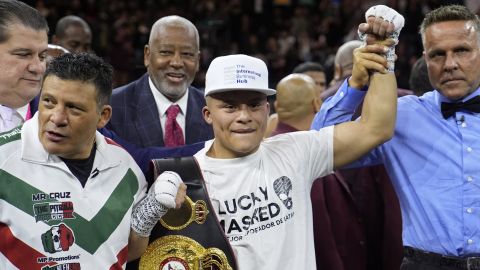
[
  {"x": 385, "y": 23},
  {"x": 167, "y": 192}
]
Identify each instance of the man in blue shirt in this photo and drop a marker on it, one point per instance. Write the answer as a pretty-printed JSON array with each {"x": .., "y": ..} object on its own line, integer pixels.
[{"x": 433, "y": 158}]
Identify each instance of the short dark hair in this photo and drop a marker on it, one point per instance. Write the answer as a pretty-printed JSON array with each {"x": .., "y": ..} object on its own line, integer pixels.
[
  {"x": 449, "y": 13},
  {"x": 419, "y": 81},
  {"x": 308, "y": 66},
  {"x": 13, "y": 11},
  {"x": 84, "y": 67},
  {"x": 68, "y": 21}
]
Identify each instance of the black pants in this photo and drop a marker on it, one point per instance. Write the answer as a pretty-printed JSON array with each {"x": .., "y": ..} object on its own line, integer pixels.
[{"x": 409, "y": 264}]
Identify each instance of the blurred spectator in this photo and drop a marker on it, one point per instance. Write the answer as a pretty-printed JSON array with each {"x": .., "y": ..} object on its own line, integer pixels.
[
  {"x": 316, "y": 72},
  {"x": 419, "y": 81},
  {"x": 73, "y": 34},
  {"x": 297, "y": 103},
  {"x": 307, "y": 30},
  {"x": 54, "y": 51},
  {"x": 343, "y": 66}
]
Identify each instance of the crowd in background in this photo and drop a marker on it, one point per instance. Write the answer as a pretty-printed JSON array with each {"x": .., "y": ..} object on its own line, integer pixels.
[
  {"x": 160, "y": 114},
  {"x": 282, "y": 32}
]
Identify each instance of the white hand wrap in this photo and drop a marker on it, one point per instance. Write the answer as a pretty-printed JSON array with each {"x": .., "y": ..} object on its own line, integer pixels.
[
  {"x": 159, "y": 199},
  {"x": 390, "y": 15}
]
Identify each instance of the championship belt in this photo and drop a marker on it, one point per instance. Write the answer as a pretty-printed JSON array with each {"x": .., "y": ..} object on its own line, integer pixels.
[{"x": 189, "y": 238}]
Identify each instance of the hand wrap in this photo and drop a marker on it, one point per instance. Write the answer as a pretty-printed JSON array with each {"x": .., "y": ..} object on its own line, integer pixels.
[
  {"x": 390, "y": 15},
  {"x": 159, "y": 199}
]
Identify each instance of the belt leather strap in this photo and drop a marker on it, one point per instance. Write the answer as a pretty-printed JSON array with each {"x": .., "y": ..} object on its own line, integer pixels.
[{"x": 209, "y": 234}]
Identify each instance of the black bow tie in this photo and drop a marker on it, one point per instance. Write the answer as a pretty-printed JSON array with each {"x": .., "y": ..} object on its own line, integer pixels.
[{"x": 472, "y": 105}]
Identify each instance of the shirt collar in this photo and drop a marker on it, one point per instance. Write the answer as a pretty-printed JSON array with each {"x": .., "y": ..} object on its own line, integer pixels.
[
  {"x": 23, "y": 111},
  {"x": 441, "y": 98},
  {"x": 163, "y": 103},
  {"x": 6, "y": 112}
]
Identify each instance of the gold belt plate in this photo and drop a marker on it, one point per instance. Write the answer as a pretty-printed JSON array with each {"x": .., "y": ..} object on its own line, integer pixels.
[{"x": 177, "y": 252}]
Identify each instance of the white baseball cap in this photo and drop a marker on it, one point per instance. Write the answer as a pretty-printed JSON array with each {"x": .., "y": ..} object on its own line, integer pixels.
[{"x": 237, "y": 72}]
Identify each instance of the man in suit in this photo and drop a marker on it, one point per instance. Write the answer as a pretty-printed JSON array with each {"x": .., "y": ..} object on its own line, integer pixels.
[
  {"x": 141, "y": 108},
  {"x": 23, "y": 47}
]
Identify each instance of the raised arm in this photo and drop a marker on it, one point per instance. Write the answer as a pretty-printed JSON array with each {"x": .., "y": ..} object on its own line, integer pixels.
[{"x": 377, "y": 122}]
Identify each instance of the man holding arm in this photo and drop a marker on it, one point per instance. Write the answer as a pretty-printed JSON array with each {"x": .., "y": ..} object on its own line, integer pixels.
[{"x": 433, "y": 156}]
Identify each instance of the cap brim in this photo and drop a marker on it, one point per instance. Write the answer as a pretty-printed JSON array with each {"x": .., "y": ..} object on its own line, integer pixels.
[{"x": 268, "y": 91}]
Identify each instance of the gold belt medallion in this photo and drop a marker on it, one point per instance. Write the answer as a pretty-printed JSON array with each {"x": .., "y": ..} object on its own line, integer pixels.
[
  {"x": 178, "y": 219},
  {"x": 176, "y": 252}
]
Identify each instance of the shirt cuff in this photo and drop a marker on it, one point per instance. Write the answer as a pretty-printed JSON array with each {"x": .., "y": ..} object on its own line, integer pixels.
[{"x": 350, "y": 97}]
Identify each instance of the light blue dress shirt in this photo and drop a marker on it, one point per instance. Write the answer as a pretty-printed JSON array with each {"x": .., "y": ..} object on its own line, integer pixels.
[{"x": 434, "y": 164}]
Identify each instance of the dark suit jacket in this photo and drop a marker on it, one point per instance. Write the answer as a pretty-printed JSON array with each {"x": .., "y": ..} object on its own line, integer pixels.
[
  {"x": 136, "y": 119},
  {"x": 356, "y": 216},
  {"x": 143, "y": 155},
  {"x": 357, "y": 221},
  {"x": 34, "y": 104}
]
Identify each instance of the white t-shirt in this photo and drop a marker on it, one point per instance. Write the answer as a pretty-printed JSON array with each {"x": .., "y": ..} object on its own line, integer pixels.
[{"x": 263, "y": 200}]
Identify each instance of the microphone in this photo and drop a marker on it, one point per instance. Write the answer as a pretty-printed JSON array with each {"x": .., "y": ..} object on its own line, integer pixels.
[{"x": 461, "y": 120}]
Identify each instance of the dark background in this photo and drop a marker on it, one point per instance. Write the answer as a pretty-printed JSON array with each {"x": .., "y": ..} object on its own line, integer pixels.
[{"x": 282, "y": 32}]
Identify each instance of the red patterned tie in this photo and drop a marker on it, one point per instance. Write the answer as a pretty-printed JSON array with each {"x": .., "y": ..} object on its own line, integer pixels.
[{"x": 173, "y": 131}]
